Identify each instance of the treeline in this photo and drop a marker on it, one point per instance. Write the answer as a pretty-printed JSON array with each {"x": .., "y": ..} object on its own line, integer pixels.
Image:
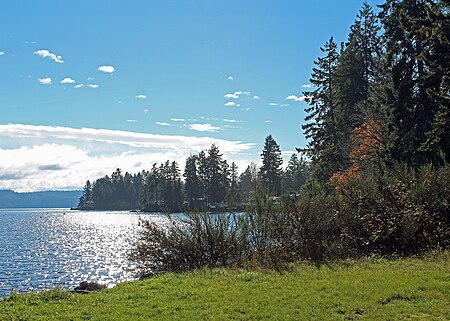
[{"x": 208, "y": 183}]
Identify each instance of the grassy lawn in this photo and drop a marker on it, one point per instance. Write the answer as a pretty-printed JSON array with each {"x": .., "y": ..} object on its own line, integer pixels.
[{"x": 368, "y": 289}]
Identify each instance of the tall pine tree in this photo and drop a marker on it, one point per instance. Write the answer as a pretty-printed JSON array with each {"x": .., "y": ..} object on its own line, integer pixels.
[
  {"x": 321, "y": 127},
  {"x": 271, "y": 170}
]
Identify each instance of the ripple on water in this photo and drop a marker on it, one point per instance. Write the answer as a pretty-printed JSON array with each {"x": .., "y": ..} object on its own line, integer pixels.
[{"x": 44, "y": 248}]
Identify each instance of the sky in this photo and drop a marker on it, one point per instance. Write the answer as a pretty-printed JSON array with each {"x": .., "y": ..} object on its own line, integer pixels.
[{"x": 92, "y": 85}]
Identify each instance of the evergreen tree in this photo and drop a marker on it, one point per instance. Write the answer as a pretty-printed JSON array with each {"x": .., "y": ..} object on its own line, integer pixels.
[
  {"x": 271, "y": 170},
  {"x": 248, "y": 181},
  {"x": 192, "y": 184},
  {"x": 86, "y": 199},
  {"x": 234, "y": 195},
  {"x": 294, "y": 175},
  {"x": 433, "y": 31},
  {"x": 177, "y": 194},
  {"x": 321, "y": 128},
  {"x": 415, "y": 42},
  {"x": 356, "y": 75},
  {"x": 217, "y": 176},
  {"x": 203, "y": 174}
]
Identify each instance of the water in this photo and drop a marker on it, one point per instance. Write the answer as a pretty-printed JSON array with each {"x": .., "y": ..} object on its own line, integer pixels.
[{"x": 44, "y": 248}]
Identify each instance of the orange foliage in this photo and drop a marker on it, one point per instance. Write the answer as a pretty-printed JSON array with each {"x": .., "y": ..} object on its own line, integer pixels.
[{"x": 367, "y": 142}]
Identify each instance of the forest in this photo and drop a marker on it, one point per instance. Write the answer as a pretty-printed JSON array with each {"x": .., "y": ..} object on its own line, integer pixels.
[{"x": 208, "y": 183}]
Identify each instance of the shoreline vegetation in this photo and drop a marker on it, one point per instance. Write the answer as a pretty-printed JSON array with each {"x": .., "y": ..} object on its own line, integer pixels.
[{"x": 367, "y": 288}]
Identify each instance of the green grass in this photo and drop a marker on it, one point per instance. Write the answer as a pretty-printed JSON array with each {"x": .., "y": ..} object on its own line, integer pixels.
[{"x": 367, "y": 289}]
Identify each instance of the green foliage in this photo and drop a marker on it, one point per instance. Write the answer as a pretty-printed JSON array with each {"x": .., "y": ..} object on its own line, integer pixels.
[
  {"x": 295, "y": 174},
  {"x": 191, "y": 183},
  {"x": 416, "y": 66},
  {"x": 400, "y": 83},
  {"x": 162, "y": 188},
  {"x": 401, "y": 211},
  {"x": 208, "y": 180},
  {"x": 271, "y": 170},
  {"x": 191, "y": 242},
  {"x": 249, "y": 181},
  {"x": 321, "y": 126},
  {"x": 116, "y": 192}
]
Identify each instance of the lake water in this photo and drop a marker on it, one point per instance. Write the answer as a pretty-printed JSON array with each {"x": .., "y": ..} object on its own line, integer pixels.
[{"x": 44, "y": 248}]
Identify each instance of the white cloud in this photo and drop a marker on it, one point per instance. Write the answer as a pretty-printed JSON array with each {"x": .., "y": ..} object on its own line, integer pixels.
[
  {"x": 78, "y": 86},
  {"x": 146, "y": 111},
  {"x": 141, "y": 97},
  {"x": 230, "y": 78},
  {"x": 2, "y": 53},
  {"x": 177, "y": 119},
  {"x": 93, "y": 86},
  {"x": 232, "y": 127},
  {"x": 90, "y": 78},
  {"x": 230, "y": 104},
  {"x": 231, "y": 96},
  {"x": 44, "y": 53},
  {"x": 108, "y": 69},
  {"x": 67, "y": 81},
  {"x": 273, "y": 104},
  {"x": 73, "y": 155},
  {"x": 296, "y": 98},
  {"x": 204, "y": 127},
  {"x": 256, "y": 97},
  {"x": 231, "y": 120},
  {"x": 163, "y": 124},
  {"x": 45, "y": 81},
  {"x": 132, "y": 121},
  {"x": 267, "y": 121},
  {"x": 285, "y": 105},
  {"x": 236, "y": 94}
]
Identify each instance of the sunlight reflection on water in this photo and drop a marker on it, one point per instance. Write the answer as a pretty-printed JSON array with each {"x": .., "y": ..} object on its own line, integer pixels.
[{"x": 44, "y": 248}]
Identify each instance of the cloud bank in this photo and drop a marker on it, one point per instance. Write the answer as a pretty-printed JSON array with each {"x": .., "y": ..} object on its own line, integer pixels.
[{"x": 54, "y": 157}]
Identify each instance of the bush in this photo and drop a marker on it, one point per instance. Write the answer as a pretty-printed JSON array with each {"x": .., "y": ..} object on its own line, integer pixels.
[
  {"x": 400, "y": 211},
  {"x": 376, "y": 215},
  {"x": 190, "y": 242}
]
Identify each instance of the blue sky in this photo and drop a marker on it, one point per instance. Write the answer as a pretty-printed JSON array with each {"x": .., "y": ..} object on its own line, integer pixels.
[{"x": 148, "y": 80}]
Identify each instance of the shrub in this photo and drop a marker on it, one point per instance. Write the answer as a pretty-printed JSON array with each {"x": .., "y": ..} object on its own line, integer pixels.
[
  {"x": 190, "y": 242},
  {"x": 403, "y": 210},
  {"x": 378, "y": 212}
]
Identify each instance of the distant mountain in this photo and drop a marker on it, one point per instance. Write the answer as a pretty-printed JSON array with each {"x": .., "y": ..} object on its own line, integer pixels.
[{"x": 11, "y": 199}]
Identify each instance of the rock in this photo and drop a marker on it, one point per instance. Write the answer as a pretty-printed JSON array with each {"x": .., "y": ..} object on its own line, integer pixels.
[{"x": 86, "y": 287}]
